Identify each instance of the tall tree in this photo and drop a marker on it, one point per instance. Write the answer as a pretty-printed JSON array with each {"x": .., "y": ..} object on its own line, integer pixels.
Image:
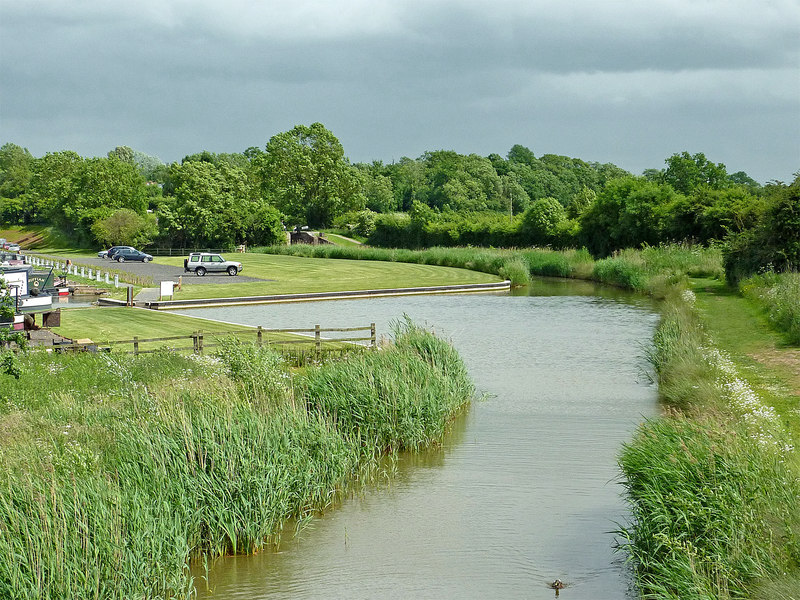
[
  {"x": 16, "y": 170},
  {"x": 307, "y": 177},
  {"x": 686, "y": 172}
]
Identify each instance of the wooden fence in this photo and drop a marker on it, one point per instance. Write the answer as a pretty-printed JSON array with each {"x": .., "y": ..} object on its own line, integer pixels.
[{"x": 261, "y": 335}]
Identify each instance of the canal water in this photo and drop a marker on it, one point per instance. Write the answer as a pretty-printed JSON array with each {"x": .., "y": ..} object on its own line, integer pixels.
[{"x": 524, "y": 490}]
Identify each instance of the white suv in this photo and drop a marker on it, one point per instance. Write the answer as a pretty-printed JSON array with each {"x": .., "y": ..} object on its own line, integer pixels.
[{"x": 201, "y": 263}]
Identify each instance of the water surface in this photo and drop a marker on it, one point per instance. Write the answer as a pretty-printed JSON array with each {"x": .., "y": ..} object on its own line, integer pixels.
[{"x": 524, "y": 490}]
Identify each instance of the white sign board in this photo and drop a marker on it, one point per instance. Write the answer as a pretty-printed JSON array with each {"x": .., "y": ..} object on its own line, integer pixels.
[
  {"x": 166, "y": 289},
  {"x": 17, "y": 281}
]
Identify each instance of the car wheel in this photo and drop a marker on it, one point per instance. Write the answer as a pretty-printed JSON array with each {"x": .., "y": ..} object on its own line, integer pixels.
[
  {"x": 145, "y": 259},
  {"x": 232, "y": 271},
  {"x": 121, "y": 259},
  {"x": 200, "y": 271}
]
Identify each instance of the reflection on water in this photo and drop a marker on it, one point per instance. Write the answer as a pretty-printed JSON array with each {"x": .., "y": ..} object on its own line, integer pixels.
[{"x": 523, "y": 491}]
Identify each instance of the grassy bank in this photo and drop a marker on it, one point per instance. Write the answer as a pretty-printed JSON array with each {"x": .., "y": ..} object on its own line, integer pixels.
[
  {"x": 118, "y": 471},
  {"x": 714, "y": 484}
]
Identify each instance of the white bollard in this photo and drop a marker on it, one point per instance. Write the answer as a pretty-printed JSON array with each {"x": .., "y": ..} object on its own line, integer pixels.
[
  {"x": 83, "y": 271},
  {"x": 116, "y": 280},
  {"x": 106, "y": 277},
  {"x": 91, "y": 275},
  {"x": 98, "y": 275}
]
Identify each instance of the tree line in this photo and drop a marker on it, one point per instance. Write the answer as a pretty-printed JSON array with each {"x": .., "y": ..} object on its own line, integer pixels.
[{"x": 302, "y": 177}]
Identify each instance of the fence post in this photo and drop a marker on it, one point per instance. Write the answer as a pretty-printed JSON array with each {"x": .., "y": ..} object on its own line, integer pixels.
[
  {"x": 372, "y": 336},
  {"x": 194, "y": 342},
  {"x": 259, "y": 336},
  {"x": 136, "y": 345},
  {"x": 317, "y": 341},
  {"x": 200, "y": 341}
]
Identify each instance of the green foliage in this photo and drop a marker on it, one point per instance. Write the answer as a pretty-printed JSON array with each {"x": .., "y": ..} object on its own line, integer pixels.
[
  {"x": 215, "y": 203},
  {"x": 779, "y": 295},
  {"x": 124, "y": 227},
  {"x": 16, "y": 170},
  {"x": 628, "y": 213},
  {"x": 774, "y": 242},
  {"x": 425, "y": 228},
  {"x": 686, "y": 173},
  {"x": 360, "y": 223},
  {"x": 709, "y": 503},
  {"x": 541, "y": 221},
  {"x": 461, "y": 183},
  {"x": 73, "y": 192},
  {"x": 258, "y": 368},
  {"x": 9, "y": 364},
  {"x": 307, "y": 177}
]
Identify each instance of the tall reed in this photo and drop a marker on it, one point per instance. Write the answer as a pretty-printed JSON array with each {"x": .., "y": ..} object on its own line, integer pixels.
[
  {"x": 118, "y": 470},
  {"x": 779, "y": 296},
  {"x": 713, "y": 484}
]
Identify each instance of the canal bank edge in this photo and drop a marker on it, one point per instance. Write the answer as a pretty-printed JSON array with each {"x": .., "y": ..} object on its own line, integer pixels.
[{"x": 313, "y": 296}]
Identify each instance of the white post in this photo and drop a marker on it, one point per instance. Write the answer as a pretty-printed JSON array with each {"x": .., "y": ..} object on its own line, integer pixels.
[
  {"x": 91, "y": 275},
  {"x": 98, "y": 274},
  {"x": 106, "y": 277},
  {"x": 116, "y": 280},
  {"x": 83, "y": 271}
]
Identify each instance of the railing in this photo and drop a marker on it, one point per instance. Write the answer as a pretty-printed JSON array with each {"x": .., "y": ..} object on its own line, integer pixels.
[
  {"x": 187, "y": 251},
  {"x": 199, "y": 343}
]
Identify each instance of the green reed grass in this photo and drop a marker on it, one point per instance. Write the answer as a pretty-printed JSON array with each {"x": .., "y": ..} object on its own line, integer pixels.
[
  {"x": 118, "y": 470},
  {"x": 714, "y": 511},
  {"x": 650, "y": 270},
  {"x": 655, "y": 270},
  {"x": 779, "y": 295},
  {"x": 713, "y": 499}
]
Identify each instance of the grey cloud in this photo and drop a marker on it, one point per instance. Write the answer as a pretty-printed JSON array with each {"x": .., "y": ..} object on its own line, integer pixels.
[{"x": 471, "y": 77}]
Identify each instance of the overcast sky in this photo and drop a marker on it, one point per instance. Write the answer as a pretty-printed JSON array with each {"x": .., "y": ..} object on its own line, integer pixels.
[{"x": 625, "y": 82}]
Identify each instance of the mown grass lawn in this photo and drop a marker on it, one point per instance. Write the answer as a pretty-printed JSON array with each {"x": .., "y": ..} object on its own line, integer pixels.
[
  {"x": 294, "y": 274},
  {"x": 102, "y": 324},
  {"x": 112, "y": 323}
]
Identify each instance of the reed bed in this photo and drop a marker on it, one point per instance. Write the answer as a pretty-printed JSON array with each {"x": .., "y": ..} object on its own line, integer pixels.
[
  {"x": 118, "y": 471},
  {"x": 650, "y": 270},
  {"x": 713, "y": 485},
  {"x": 656, "y": 269},
  {"x": 778, "y": 294}
]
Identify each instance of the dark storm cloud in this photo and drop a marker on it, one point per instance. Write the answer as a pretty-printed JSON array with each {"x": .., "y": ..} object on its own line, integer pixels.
[{"x": 628, "y": 83}]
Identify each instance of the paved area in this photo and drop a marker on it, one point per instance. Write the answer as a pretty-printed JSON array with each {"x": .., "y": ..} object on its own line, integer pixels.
[{"x": 163, "y": 272}]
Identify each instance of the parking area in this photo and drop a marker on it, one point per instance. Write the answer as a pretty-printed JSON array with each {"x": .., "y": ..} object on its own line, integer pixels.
[{"x": 164, "y": 272}]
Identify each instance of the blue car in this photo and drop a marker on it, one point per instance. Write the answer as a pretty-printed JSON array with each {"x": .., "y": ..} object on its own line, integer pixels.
[{"x": 131, "y": 254}]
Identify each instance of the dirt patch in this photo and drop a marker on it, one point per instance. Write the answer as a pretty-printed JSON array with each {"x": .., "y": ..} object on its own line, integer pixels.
[{"x": 787, "y": 361}]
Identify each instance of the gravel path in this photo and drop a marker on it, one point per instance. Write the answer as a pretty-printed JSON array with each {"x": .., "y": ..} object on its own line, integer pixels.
[{"x": 163, "y": 272}]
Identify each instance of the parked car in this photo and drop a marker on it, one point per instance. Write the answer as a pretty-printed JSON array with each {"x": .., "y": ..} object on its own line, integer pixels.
[
  {"x": 126, "y": 254},
  {"x": 113, "y": 250},
  {"x": 201, "y": 263},
  {"x": 12, "y": 247}
]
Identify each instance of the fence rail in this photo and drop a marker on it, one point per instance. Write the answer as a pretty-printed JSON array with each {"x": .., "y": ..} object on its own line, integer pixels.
[
  {"x": 187, "y": 251},
  {"x": 199, "y": 343}
]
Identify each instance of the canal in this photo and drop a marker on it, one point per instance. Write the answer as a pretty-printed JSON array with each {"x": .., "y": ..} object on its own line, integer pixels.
[{"x": 524, "y": 490}]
